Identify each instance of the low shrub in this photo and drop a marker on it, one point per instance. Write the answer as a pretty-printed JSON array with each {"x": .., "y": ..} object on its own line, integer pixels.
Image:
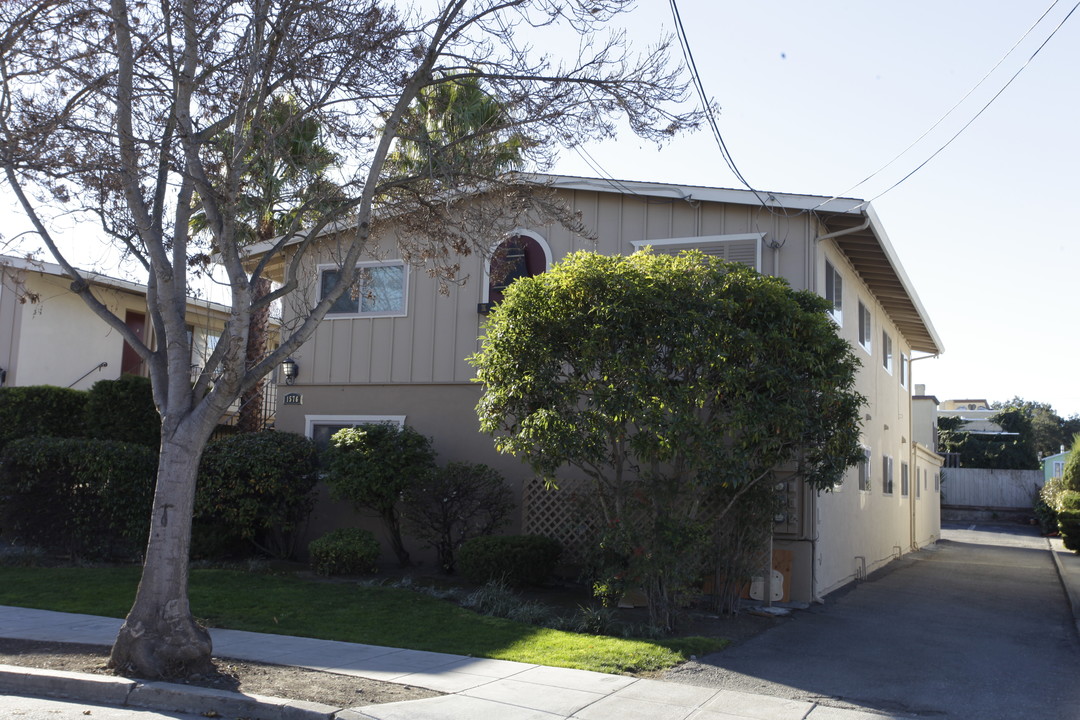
[
  {"x": 371, "y": 466},
  {"x": 455, "y": 503},
  {"x": 1069, "y": 518},
  {"x": 1045, "y": 505},
  {"x": 41, "y": 411},
  {"x": 496, "y": 599},
  {"x": 123, "y": 409},
  {"x": 515, "y": 559},
  {"x": 88, "y": 498},
  {"x": 254, "y": 490},
  {"x": 1070, "y": 476},
  {"x": 348, "y": 551}
]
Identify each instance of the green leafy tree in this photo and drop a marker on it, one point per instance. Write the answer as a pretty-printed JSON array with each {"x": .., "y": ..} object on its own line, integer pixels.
[
  {"x": 1045, "y": 430},
  {"x": 676, "y": 385},
  {"x": 114, "y": 113},
  {"x": 371, "y": 466},
  {"x": 1070, "y": 476}
]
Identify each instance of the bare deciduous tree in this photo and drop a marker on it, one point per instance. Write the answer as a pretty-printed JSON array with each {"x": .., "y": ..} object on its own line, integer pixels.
[{"x": 135, "y": 114}]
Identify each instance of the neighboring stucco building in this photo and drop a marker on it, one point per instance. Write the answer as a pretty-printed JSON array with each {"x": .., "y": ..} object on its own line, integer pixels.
[
  {"x": 396, "y": 351},
  {"x": 56, "y": 339}
]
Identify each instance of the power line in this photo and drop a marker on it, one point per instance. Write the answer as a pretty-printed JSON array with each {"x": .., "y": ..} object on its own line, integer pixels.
[
  {"x": 983, "y": 109},
  {"x": 710, "y": 117},
  {"x": 956, "y": 105}
]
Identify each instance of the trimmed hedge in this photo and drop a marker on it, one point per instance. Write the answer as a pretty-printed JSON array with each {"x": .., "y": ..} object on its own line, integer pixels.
[
  {"x": 254, "y": 489},
  {"x": 348, "y": 551},
  {"x": 1068, "y": 518},
  {"x": 41, "y": 411},
  {"x": 516, "y": 559},
  {"x": 124, "y": 410},
  {"x": 84, "y": 497}
]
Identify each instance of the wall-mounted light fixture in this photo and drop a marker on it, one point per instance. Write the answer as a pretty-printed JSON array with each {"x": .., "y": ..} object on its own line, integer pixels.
[{"x": 290, "y": 369}]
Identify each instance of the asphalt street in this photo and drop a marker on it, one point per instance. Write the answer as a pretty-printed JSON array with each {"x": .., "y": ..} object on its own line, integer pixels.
[{"x": 976, "y": 627}]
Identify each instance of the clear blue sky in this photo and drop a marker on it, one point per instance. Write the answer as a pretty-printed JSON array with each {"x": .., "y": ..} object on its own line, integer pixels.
[{"x": 816, "y": 96}]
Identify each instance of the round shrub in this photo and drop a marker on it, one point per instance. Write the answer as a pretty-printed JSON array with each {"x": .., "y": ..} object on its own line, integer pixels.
[
  {"x": 88, "y": 498},
  {"x": 516, "y": 559},
  {"x": 124, "y": 410},
  {"x": 254, "y": 489},
  {"x": 40, "y": 410},
  {"x": 455, "y": 503},
  {"x": 372, "y": 465},
  {"x": 348, "y": 551}
]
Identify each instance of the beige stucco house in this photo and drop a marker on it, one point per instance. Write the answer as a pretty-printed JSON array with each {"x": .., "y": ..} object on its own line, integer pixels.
[
  {"x": 48, "y": 335},
  {"x": 397, "y": 351}
]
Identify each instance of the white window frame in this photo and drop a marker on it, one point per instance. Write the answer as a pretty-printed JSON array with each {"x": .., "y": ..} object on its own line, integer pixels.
[
  {"x": 886, "y": 351},
  {"x": 937, "y": 482},
  {"x": 887, "y": 485},
  {"x": 675, "y": 245},
  {"x": 359, "y": 303},
  {"x": 834, "y": 292},
  {"x": 1059, "y": 468},
  {"x": 485, "y": 281},
  {"x": 866, "y": 328},
  {"x": 905, "y": 366},
  {"x": 310, "y": 421},
  {"x": 865, "y": 474},
  {"x": 905, "y": 480}
]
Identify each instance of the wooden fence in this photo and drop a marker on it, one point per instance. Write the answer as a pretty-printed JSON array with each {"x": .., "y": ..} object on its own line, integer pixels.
[{"x": 981, "y": 488}]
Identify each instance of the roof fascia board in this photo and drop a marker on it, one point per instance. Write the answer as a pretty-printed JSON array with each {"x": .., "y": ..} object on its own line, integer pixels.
[
  {"x": 905, "y": 282},
  {"x": 699, "y": 193}
]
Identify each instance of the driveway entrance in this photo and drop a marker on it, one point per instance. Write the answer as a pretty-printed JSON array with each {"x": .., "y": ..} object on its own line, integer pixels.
[{"x": 976, "y": 627}]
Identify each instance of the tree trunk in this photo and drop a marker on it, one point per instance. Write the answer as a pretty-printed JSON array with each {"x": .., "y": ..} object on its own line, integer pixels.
[
  {"x": 160, "y": 638},
  {"x": 250, "y": 418}
]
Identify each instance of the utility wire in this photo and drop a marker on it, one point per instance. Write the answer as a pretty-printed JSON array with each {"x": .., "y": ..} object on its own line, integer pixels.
[
  {"x": 695, "y": 76},
  {"x": 950, "y": 111},
  {"x": 981, "y": 111}
]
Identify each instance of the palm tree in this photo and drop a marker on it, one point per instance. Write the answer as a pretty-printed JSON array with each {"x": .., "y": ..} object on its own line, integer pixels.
[
  {"x": 457, "y": 129},
  {"x": 285, "y": 185}
]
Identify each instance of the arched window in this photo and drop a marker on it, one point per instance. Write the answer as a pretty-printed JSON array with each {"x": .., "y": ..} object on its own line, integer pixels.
[{"x": 516, "y": 257}]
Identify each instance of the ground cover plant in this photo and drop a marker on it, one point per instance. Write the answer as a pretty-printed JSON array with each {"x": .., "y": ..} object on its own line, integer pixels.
[{"x": 346, "y": 611}]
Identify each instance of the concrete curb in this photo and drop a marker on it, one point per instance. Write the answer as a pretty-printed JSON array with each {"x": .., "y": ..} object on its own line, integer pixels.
[
  {"x": 1071, "y": 591},
  {"x": 163, "y": 696}
]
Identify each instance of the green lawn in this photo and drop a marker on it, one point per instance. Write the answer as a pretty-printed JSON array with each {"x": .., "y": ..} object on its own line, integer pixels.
[{"x": 287, "y": 605}]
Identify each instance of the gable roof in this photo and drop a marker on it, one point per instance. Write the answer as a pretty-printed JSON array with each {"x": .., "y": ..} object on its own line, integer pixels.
[{"x": 851, "y": 223}]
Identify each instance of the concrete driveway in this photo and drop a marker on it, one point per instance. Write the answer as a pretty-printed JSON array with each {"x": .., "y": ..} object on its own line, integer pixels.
[{"x": 977, "y": 627}]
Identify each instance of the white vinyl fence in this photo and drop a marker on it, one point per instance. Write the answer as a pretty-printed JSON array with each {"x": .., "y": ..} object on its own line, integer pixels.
[{"x": 981, "y": 488}]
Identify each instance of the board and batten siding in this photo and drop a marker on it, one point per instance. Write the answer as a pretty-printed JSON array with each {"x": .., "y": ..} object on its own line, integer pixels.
[{"x": 431, "y": 342}]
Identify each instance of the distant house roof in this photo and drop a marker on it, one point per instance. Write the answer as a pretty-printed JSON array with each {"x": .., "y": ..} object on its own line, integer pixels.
[{"x": 48, "y": 268}]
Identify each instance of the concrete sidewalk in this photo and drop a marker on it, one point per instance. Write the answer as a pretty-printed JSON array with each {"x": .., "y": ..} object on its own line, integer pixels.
[{"x": 476, "y": 689}]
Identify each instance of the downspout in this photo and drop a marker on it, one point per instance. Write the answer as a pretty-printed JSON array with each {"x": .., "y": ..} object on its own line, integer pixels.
[
  {"x": 845, "y": 231},
  {"x": 914, "y": 456},
  {"x": 814, "y": 540}
]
